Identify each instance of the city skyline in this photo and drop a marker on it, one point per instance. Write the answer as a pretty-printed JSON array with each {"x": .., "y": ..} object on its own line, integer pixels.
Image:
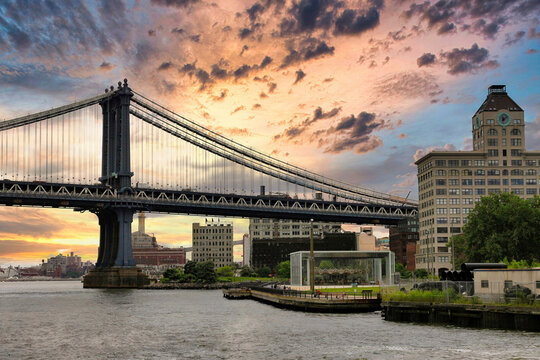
[{"x": 355, "y": 90}]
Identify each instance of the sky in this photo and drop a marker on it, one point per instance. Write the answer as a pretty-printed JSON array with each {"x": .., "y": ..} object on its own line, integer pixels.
[{"x": 352, "y": 89}]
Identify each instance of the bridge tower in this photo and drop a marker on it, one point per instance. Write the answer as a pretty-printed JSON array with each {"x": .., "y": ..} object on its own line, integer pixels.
[{"x": 115, "y": 267}]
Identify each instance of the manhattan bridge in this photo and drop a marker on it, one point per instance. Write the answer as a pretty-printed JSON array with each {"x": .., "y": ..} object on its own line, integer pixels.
[{"x": 119, "y": 153}]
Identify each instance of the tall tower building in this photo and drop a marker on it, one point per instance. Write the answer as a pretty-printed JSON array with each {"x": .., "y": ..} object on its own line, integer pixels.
[
  {"x": 451, "y": 182},
  {"x": 213, "y": 241}
]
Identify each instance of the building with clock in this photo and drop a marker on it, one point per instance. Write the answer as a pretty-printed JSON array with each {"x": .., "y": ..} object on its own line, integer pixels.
[{"x": 451, "y": 182}]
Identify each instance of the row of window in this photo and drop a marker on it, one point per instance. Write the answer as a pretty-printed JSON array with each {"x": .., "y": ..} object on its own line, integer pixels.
[{"x": 493, "y": 132}]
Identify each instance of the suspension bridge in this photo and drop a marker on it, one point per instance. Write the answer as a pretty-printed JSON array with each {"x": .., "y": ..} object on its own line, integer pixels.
[{"x": 120, "y": 152}]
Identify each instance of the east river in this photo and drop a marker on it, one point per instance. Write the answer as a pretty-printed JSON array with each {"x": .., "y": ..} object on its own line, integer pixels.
[{"x": 61, "y": 320}]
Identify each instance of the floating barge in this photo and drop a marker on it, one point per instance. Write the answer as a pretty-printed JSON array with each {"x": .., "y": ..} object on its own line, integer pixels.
[{"x": 296, "y": 300}]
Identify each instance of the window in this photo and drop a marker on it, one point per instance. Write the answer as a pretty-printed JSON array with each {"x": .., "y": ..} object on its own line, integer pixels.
[
  {"x": 492, "y": 142},
  {"x": 515, "y": 132},
  {"x": 443, "y": 259},
  {"x": 467, "y": 201},
  {"x": 484, "y": 283},
  {"x": 492, "y": 132},
  {"x": 531, "y": 172},
  {"x": 453, "y": 182},
  {"x": 530, "y": 181},
  {"x": 467, "y": 210},
  {"x": 479, "y": 163},
  {"x": 479, "y": 182},
  {"x": 493, "y": 191},
  {"x": 517, "y": 191},
  {"x": 453, "y": 162},
  {"x": 515, "y": 142},
  {"x": 516, "y": 181},
  {"x": 454, "y": 201},
  {"x": 467, "y": 191},
  {"x": 531, "y": 191},
  {"x": 467, "y": 172},
  {"x": 516, "y": 172},
  {"x": 455, "y": 220},
  {"x": 480, "y": 172},
  {"x": 492, "y": 152},
  {"x": 517, "y": 162},
  {"x": 494, "y": 182},
  {"x": 466, "y": 182},
  {"x": 441, "y": 210},
  {"x": 455, "y": 210},
  {"x": 440, "y": 182},
  {"x": 441, "y": 192},
  {"x": 442, "y": 230},
  {"x": 441, "y": 172},
  {"x": 455, "y": 230},
  {"x": 493, "y": 172},
  {"x": 453, "y": 191},
  {"x": 441, "y": 201},
  {"x": 453, "y": 172},
  {"x": 504, "y": 143},
  {"x": 466, "y": 162},
  {"x": 480, "y": 191},
  {"x": 442, "y": 220},
  {"x": 515, "y": 152},
  {"x": 530, "y": 162},
  {"x": 440, "y": 162},
  {"x": 517, "y": 121}
]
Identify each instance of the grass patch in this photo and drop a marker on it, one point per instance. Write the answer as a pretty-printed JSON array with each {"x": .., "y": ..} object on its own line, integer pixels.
[
  {"x": 350, "y": 290},
  {"x": 248, "y": 279}
]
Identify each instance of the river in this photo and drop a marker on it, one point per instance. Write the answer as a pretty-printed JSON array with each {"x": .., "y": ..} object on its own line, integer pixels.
[{"x": 61, "y": 320}]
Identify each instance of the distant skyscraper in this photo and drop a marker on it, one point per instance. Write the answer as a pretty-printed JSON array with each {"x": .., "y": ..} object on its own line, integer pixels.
[{"x": 246, "y": 250}]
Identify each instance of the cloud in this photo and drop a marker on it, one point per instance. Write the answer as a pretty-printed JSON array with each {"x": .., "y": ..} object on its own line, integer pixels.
[
  {"x": 403, "y": 136},
  {"x": 174, "y": 3},
  {"x": 271, "y": 87},
  {"x": 355, "y": 133},
  {"x": 463, "y": 60},
  {"x": 221, "y": 96},
  {"x": 420, "y": 153},
  {"x": 354, "y": 22},
  {"x": 300, "y": 75},
  {"x": 165, "y": 66},
  {"x": 447, "y": 28},
  {"x": 513, "y": 39},
  {"x": 318, "y": 114},
  {"x": 532, "y": 51},
  {"x": 240, "y": 108},
  {"x": 425, "y": 60},
  {"x": 106, "y": 66},
  {"x": 308, "y": 49},
  {"x": 411, "y": 84}
]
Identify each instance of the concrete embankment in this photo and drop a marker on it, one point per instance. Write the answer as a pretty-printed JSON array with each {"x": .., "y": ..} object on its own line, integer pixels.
[
  {"x": 195, "y": 286},
  {"x": 295, "y": 300},
  {"x": 466, "y": 315}
]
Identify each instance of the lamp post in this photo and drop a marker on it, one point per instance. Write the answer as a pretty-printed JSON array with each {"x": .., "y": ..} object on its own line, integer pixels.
[{"x": 311, "y": 259}]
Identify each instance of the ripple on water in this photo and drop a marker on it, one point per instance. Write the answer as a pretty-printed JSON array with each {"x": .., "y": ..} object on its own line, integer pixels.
[{"x": 62, "y": 320}]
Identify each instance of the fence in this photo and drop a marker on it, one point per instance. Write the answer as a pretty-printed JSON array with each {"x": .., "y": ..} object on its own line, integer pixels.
[
  {"x": 364, "y": 294},
  {"x": 474, "y": 292}
]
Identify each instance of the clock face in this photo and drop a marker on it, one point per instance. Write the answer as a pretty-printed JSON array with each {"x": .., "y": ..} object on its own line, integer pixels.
[{"x": 503, "y": 119}]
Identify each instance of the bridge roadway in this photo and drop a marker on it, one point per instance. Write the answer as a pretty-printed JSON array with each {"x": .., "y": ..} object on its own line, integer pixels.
[{"x": 96, "y": 197}]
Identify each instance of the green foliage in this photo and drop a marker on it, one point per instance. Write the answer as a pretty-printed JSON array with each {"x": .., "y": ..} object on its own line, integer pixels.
[
  {"x": 403, "y": 272},
  {"x": 326, "y": 264},
  {"x": 283, "y": 270},
  {"x": 172, "y": 274},
  {"x": 205, "y": 273},
  {"x": 189, "y": 267},
  {"x": 264, "y": 271},
  {"x": 421, "y": 273},
  {"x": 247, "y": 271},
  {"x": 521, "y": 264},
  {"x": 225, "y": 271},
  {"x": 503, "y": 225},
  {"x": 458, "y": 244}
]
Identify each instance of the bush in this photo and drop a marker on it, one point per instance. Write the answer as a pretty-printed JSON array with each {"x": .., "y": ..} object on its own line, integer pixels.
[
  {"x": 263, "y": 272},
  {"x": 283, "y": 270},
  {"x": 225, "y": 271},
  {"x": 247, "y": 271}
]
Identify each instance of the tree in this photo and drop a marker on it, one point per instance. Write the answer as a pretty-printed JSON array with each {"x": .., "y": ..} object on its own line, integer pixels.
[
  {"x": 189, "y": 267},
  {"x": 458, "y": 251},
  {"x": 205, "y": 273},
  {"x": 403, "y": 272},
  {"x": 503, "y": 225},
  {"x": 225, "y": 271},
  {"x": 283, "y": 270},
  {"x": 172, "y": 274},
  {"x": 263, "y": 272},
  {"x": 421, "y": 273},
  {"x": 247, "y": 271}
]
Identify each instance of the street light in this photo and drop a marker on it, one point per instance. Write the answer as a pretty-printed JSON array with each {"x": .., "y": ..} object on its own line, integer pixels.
[{"x": 311, "y": 259}]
